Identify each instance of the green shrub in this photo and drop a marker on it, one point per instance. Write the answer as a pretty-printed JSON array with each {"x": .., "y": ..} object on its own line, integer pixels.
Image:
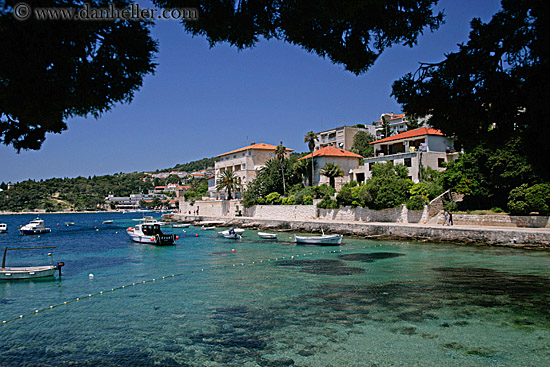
[
  {"x": 516, "y": 201},
  {"x": 288, "y": 200},
  {"x": 416, "y": 202},
  {"x": 307, "y": 200},
  {"x": 273, "y": 198},
  {"x": 328, "y": 203},
  {"x": 497, "y": 210},
  {"x": 450, "y": 206},
  {"x": 345, "y": 196},
  {"x": 538, "y": 198}
]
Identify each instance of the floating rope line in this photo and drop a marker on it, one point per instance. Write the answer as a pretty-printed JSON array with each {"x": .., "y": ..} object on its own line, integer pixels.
[{"x": 255, "y": 262}]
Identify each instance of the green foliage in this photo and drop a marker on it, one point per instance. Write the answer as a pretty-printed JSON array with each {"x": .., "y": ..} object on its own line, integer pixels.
[
  {"x": 194, "y": 165},
  {"x": 450, "y": 206},
  {"x": 387, "y": 188},
  {"x": 328, "y": 203},
  {"x": 524, "y": 199},
  {"x": 487, "y": 175},
  {"x": 416, "y": 202},
  {"x": 66, "y": 69},
  {"x": 273, "y": 198},
  {"x": 78, "y": 193},
  {"x": 352, "y": 34},
  {"x": 332, "y": 171},
  {"x": 307, "y": 200},
  {"x": 361, "y": 144},
  {"x": 229, "y": 182},
  {"x": 288, "y": 200},
  {"x": 494, "y": 88}
]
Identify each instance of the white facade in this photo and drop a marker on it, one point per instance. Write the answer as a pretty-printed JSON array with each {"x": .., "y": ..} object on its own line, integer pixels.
[{"x": 341, "y": 137}]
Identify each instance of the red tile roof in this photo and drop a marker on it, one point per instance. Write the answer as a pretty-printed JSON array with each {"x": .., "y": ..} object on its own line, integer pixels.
[
  {"x": 393, "y": 117},
  {"x": 331, "y": 151},
  {"x": 410, "y": 134},
  {"x": 259, "y": 146}
]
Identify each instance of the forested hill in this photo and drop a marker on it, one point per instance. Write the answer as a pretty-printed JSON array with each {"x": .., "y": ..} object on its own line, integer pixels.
[
  {"x": 78, "y": 193},
  {"x": 192, "y": 166}
]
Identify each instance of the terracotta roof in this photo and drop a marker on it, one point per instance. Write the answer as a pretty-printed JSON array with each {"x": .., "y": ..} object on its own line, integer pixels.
[
  {"x": 393, "y": 116},
  {"x": 259, "y": 146},
  {"x": 411, "y": 134},
  {"x": 331, "y": 151}
]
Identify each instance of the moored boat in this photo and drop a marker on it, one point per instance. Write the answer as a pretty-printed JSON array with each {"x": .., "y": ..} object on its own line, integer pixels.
[
  {"x": 68, "y": 224},
  {"x": 232, "y": 236},
  {"x": 28, "y": 272},
  {"x": 150, "y": 233},
  {"x": 181, "y": 225},
  {"x": 3, "y": 228},
  {"x": 267, "y": 236},
  {"x": 108, "y": 221},
  {"x": 325, "y": 239},
  {"x": 227, "y": 231},
  {"x": 35, "y": 226}
]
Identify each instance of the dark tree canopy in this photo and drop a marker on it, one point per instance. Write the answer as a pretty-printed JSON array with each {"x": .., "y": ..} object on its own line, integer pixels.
[
  {"x": 350, "y": 33},
  {"x": 495, "y": 87},
  {"x": 54, "y": 70}
]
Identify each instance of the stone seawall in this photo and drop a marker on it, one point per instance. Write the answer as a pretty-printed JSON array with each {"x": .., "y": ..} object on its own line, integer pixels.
[{"x": 515, "y": 237}]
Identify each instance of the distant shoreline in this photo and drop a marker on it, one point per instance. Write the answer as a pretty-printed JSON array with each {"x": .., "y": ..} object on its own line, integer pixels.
[{"x": 62, "y": 212}]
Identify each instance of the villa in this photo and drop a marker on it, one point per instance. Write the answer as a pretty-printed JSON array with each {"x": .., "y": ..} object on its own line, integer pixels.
[
  {"x": 344, "y": 159},
  {"x": 416, "y": 149},
  {"x": 245, "y": 162},
  {"x": 341, "y": 137}
]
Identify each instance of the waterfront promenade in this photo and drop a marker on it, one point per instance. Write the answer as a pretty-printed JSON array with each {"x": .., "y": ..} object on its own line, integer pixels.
[{"x": 483, "y": 235}]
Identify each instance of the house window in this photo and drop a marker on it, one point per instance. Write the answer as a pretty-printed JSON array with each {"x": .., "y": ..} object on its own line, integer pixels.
[
  {"x": 440, "y": 162},
  {"x": 370, "y": 166},
  {"x": 408, "y": 162},
  {"x": 234, "y": 156},
  {"x": 244, "y": 165}
]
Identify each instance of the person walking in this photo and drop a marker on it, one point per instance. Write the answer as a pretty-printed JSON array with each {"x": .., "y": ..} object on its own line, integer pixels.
[
  {"x": 450, "y": 218},
  {"x": 446, "y": 214}
]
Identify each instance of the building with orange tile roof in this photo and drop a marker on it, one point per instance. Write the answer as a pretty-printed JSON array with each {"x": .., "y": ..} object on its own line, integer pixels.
[
  {"x": 341, "y": 137},
  {"x": 245, "y": 162},
  {"x": 416, "y": 149},
  {"x": 346, "y": 160}
]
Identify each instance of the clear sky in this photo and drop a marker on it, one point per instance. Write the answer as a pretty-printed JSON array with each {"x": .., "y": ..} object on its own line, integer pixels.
[{"x": 202, "y": 102}]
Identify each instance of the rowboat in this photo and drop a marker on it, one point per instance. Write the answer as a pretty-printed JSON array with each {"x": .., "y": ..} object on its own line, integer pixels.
[
  {"x": 236, "y": 230},
  {"x": 28, "y": 272},
  {"x": 267, "y": 236},
  {"x": 108, "y": 221},
  {"x": 181, "y": 225},
  {"x": 325, "y": 239},
  {"x": 203, "y": 228}
]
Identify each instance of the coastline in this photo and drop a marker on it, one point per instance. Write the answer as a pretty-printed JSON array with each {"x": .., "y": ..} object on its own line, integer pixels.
[{"x": 527, "y": 238}]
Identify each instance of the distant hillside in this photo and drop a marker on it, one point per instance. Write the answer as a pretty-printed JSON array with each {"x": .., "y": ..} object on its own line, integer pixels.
[{"x": 192, "y": 166}]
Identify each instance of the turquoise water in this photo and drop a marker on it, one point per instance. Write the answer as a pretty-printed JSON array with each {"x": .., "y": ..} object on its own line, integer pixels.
[{"x": 365, "y": 303}]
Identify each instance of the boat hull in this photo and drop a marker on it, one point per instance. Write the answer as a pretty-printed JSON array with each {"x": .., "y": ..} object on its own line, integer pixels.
[
  {"x": 158, "y": 240},
  {"x": 35, "y": 231},
  {"x": 233, "y": 236},
  {"x": 29, "y": 272},
  {"x": 267, "y": 236},
  {"x": 328, "y": 240}
]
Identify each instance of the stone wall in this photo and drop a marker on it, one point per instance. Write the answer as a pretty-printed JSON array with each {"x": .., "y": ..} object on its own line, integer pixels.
[
  {"x": 502, "y": 220},
  {"x": 282, "y": 211},
  {"x": 211, "y": 208},
  {"x": 398, "y": 214}
]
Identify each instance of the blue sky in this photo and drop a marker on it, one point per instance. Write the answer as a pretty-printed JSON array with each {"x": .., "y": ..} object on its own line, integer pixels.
[{"x": 202, "y": 102}]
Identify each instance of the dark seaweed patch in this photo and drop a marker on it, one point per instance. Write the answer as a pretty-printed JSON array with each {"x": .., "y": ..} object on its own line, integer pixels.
[
  {"x": 370, "y": 257},
  {"x": 323, "y": 266}
]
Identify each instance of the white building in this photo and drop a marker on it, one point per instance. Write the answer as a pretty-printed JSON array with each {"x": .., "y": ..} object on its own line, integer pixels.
[
  {"x": 245, "y": 162},
  {"x": 347, "y": 161},
  {"x": 416, "y": 149},
  {"x": 341, "y": 137}
]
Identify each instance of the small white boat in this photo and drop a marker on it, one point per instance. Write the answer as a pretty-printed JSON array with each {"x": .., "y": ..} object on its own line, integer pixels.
[
  {"x": 68, "y": 224},
  {"x": 147, "y": 232},
  {"x": 28, "y": 272},
  {"x": 236, "y": 230},
  {"x": 232, "y": 236},
  {"x": 108, "y": 221},
  {"x": 325, "y": 239},
  {"x": 267, "y": 236},
  {"x": 35, "y": 227},
  {"x": 181, "y": 225},
  {"x": 203, "y": 228},
  {"x": 3, "y": 228}
]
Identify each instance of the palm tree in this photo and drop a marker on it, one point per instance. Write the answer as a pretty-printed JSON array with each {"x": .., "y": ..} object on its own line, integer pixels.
[
  {"x": 280, "y": 153},
  {"x": 310, "y": 139},
  {"x": 229, "y": 182},
  {"x": 332, "y": 171},
  {"x": 301, "y": 168}
]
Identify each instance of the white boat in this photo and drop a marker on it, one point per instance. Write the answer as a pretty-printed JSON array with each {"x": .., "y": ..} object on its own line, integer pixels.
[
  {"x": 28, "y": 272},
  {"x": 236, "y": 230},
  {"x": 150, "y": 220},
  {"x": 68, "y": 224},
  {"x": 3, "y": 228},
  {"x": 151, "y": 233},
  {"x": 181, "y": 225},
  {"x": 35, "y": 227},
  {"x": 325, "y": 239},
  {"x": 267, "y": 236},
  {"x": 232, "y": 236},
  {"x": 203, "y": 228},
  {"x": 108, "y": 221}
]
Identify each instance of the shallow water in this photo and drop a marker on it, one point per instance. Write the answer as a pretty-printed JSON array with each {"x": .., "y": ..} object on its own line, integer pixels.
[{"x": 360, "y": 304}]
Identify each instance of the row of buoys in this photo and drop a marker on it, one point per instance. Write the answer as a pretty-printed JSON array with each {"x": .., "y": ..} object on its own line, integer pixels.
[{"x": 91, "y": 277}]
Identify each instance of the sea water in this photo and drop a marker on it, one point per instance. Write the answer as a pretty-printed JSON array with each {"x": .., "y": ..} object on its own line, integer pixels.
[{"x": 268, "y": 303}]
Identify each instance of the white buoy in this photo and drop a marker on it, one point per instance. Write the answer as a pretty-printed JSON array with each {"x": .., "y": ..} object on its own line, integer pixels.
[{"x": 91, "y": 276}]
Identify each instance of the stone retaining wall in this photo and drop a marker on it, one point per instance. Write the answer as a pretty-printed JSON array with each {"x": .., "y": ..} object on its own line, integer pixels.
[{"x": 282, "y": 211}]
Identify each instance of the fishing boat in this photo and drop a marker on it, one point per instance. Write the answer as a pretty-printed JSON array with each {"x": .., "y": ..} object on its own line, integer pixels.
[
  {"x": 324, "y": 239},
  {"x": 267, "y": 236},
  {"x": 35, "y": 227},
  {"x": 181, "y": 225},
  {"x": 28, "y": 272},
  {"x": 147, "y": 232},
  {"x": 3, "y": 228},
  {"x": 227, "y": 231}
]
